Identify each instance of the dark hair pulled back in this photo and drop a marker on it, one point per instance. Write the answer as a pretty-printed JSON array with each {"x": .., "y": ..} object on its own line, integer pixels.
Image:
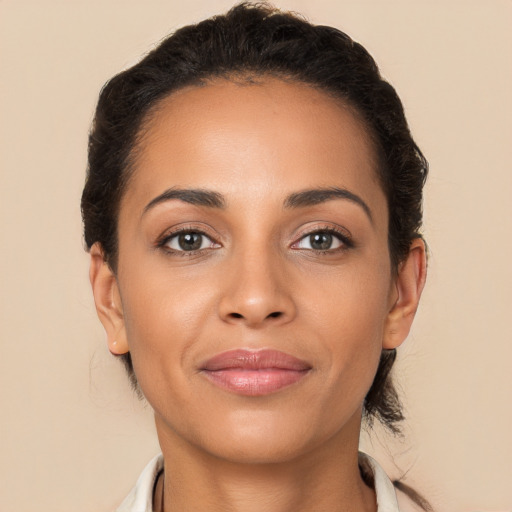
[{"x": 253, "y": 40}]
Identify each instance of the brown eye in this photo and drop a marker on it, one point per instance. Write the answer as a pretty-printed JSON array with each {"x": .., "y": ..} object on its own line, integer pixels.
[
  {"x": 322, "y": 241},
  {"x": 188, "y": 241}
]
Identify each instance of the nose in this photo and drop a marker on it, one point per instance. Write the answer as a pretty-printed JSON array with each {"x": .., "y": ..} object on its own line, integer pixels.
[{"x": 256, "y": 292}]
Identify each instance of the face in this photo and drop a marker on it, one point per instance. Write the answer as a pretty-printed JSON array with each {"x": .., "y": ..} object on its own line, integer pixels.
[{"x": 254, "y": 289}]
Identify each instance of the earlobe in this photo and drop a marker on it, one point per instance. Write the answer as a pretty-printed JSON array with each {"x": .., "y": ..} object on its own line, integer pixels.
[
  {"x": 408, "y": 285},
  {"x": 107, "y": 301}
]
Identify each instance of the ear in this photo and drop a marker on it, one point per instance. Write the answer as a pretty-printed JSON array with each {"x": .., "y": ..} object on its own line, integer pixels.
[
  {"x": 408, "y": 286},
  {"x": 108, "y": 301}
]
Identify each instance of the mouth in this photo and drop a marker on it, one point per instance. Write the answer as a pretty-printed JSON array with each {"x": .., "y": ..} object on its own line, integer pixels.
[{"x": 254, "y": 373}]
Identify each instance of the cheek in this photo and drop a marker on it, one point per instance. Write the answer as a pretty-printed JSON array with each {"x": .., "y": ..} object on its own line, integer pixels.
[
  {"x": 350, "y": 311},
  {"x": 165, "y": 313},
  {"x": 352, "y": 301}
]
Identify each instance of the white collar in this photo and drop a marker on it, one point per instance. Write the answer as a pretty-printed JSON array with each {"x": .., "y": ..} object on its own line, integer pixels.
[{"x": 140, "y": 498}]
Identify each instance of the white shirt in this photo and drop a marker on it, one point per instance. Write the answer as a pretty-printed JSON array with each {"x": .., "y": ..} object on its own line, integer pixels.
[{"x": 140, "y": 498}]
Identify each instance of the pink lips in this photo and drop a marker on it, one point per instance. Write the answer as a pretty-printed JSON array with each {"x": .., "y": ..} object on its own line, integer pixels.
[{"x": 254, "y": 373}]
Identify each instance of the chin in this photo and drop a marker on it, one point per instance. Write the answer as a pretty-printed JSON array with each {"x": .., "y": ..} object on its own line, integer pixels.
[
  {"x": 257, "y": 450},
  {"x": 266, "y": 438}
]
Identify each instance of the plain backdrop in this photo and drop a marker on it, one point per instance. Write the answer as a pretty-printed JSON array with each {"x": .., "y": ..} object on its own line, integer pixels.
[{"x": 73, "y": 437}]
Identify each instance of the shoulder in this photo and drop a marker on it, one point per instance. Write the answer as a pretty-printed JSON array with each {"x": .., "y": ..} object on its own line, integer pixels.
[
  {"x": 406, "y": 502},
  {"x": 140, "y": 498},
  {"x": 376, "y": 477},
  {"x": 391, "y": 496}
]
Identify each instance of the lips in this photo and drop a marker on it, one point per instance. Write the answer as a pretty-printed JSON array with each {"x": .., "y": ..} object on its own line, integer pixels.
[{"x": 254, "y": 373}]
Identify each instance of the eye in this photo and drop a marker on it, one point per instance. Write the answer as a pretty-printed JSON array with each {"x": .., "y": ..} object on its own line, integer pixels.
[
  {"x": 188, "y": 241},
  {"x": 324, "y": 240}
]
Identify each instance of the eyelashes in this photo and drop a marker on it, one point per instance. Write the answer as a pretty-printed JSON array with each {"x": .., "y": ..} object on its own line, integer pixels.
[
  {"x": 190, "y": 241},
  {"x": 187, "y": 241},
  {"x": 324, "y": 240}
]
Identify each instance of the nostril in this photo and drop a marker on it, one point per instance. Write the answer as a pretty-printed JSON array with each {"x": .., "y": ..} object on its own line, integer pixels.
[{"x": 251, "y": 318}]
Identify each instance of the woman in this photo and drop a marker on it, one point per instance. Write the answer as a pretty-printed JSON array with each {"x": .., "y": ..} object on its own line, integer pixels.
[{"x": 252, "y": 210}]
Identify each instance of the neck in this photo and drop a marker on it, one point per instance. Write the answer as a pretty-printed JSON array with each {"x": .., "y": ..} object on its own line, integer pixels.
[{"x": 327, "y": 478}]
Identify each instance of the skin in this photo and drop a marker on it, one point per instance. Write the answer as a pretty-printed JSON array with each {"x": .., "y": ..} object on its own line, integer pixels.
[{"x": 256, "y": 283}]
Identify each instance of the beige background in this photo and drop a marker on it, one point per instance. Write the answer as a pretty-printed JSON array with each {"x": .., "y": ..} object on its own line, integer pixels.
[{"x": 72, "y": 436}]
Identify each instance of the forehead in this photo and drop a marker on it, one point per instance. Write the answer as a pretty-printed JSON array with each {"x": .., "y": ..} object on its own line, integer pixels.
[{"x": 268, "y": 138}]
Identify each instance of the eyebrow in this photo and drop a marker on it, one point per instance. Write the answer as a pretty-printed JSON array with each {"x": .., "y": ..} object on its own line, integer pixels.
[
  {"x": 196, "y": 196},
  {"x": 315, "y": 196},
  {"x": 302, "y": 199}
]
